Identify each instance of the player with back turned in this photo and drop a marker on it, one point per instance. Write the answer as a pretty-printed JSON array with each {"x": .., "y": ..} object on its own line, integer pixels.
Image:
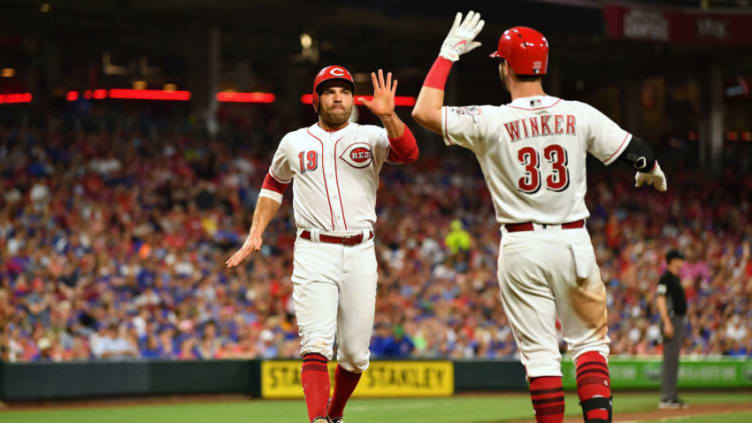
[
  {"x": 532, "y": 152},
  {"x": 335, "y": 167}
]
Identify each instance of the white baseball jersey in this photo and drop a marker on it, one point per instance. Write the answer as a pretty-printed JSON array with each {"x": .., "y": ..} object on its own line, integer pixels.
[
  {"x": 532, "y": 153},
  {"x": 336, "y": 175}
]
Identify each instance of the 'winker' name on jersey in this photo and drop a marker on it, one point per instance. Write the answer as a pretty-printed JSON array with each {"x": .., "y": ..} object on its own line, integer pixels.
[{"x": 540, "y": 126}]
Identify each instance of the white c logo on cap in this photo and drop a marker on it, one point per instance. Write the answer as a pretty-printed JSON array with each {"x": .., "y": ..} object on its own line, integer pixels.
[{"x": 337, "y": 72}]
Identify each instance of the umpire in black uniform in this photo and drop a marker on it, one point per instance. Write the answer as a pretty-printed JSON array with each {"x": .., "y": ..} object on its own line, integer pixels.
[{"x": 672, "y": 306}]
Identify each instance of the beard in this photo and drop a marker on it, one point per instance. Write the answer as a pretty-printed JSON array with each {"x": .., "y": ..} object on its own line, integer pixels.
[{"x": 335, "y": 117}]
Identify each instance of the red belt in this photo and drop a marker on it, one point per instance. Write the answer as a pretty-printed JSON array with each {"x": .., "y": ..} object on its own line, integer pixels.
[
  {"x": 528, "y": 226},
  {"x": 344, "y": 240}
]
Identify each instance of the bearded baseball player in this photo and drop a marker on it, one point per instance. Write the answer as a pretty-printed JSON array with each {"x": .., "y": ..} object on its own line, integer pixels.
[
  {"x": 532, "y": 153},
  {"x": 335, "y": 168}
]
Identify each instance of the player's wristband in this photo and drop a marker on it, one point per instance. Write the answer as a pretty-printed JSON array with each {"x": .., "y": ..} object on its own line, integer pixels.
[
  {"x": 271, "y": 183},
  {"x": 403, "y": 149},
  {"x": 438, "y": 74}
]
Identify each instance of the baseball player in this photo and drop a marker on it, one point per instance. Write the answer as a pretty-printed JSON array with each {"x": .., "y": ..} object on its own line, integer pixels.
[
  {"x": 532, "y": 153},
  {"x": 335, "y": 165}
]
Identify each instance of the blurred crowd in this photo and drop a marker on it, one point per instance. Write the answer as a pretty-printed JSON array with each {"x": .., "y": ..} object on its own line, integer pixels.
[{"x": 115, "y": 226}]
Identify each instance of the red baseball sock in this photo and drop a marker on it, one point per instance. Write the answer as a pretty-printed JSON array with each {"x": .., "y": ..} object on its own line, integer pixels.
[
  {"x": 594, "y": 387},
  {"x": 344, "y": 385},
  {"x": 315, "y": 381},
  {"x": 548, "y": 399}
]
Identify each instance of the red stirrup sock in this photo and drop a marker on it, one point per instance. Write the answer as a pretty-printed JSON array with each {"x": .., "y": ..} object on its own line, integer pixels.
[
  {"x": 344, "y": 385},
  {"x": 548, "y": 399},
  {"x": 594, "y": 387},
  {"x": 315, "y": 381}
]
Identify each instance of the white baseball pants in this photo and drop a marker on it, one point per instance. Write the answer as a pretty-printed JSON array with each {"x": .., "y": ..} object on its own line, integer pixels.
[
  {"x": 334, "y": 290},
  {"x": 545, "y": 273}
]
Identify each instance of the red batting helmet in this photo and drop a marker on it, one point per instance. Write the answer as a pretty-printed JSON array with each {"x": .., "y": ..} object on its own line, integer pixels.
[
  {"x": 327, "y": 74},
  {"x": 525, "y": 49}
]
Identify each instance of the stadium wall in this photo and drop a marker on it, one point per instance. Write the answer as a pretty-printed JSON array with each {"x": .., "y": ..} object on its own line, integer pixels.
[
  {"x": 280, "y": 378},
  {"x": 98, "y": 379}
]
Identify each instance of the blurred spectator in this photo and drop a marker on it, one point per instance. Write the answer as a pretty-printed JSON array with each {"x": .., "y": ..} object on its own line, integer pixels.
[
  {"x": 108, "y": 343},
  {"x": 736, "y": 330},
  {"x": 391, "y": 343},
  {"x": 458, "y": 240}
]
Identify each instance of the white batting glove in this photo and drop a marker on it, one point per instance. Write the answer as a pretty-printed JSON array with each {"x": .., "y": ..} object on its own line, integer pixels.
[
  {"x": 655, "y": 177},
  {"x": 460, "y": 38}
]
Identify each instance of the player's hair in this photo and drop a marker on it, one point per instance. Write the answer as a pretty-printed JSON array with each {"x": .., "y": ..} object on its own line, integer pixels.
[
  {"x": 524, "y": 78},
  {"x": 529, "y": 78}
]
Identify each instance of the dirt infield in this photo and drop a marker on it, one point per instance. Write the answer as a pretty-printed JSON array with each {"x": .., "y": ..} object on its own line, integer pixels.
[{"x": 692, "y": 410}]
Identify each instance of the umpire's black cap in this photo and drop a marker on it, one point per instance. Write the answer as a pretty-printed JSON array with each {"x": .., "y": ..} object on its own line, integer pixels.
[{"x": 674, "y": 254}]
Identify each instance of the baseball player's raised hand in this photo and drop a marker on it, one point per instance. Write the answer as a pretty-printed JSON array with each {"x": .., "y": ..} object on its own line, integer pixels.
[
  {"x": 251, "y": 244},
  {"x": 383, "y": 94},
  {"x": 460, "y": 38},
  {"x": 655, "y": 177}
]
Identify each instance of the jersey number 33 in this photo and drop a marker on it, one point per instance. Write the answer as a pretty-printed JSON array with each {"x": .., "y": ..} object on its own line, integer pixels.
[{"x": 531, "y": 182}]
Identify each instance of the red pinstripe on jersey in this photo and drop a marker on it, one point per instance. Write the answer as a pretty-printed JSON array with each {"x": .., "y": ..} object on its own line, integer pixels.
[
  {"x": 331, "y": 212},
  {"x": 336, "y": 178},
  {"x": 618, "y": 149},
  {"x": 334, "y": 129},
  {"x": 538, "y": 108}
]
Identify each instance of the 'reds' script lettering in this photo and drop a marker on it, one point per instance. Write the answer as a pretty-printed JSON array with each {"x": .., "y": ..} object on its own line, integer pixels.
[{"x": 542, "y": 125}]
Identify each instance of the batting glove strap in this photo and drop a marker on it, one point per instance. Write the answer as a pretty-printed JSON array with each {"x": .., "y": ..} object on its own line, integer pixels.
[{"x": 655, "y": 177}]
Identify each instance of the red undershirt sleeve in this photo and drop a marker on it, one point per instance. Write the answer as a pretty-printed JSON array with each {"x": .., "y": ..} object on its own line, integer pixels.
[{"x": 403, "y": 149}]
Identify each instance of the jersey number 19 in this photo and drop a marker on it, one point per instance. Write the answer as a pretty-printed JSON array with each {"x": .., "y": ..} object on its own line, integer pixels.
[{"x": 311, "y": 157}]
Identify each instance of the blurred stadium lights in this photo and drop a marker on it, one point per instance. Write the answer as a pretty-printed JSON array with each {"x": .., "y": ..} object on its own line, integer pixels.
[
  {"x": 167, "y": 95},
  {"x": 45, "y": 7},
  {"x": 145, "y": 69},
  {"x": 127, "y": 94},
  {"x": 254, "y": 97},
  {"x": 139, "y": 85},
  {"x": 169, "y": 87},
  {"x": 741, "y": 89},
  {"x": 15, "y": 98},
  {"x": 733, "y": 136},
  {"x": 307, "y": 50},
  {"x": 8, "y": 73},
  {"x": 305, "y": 40},
  {"x": 398, "y": 100},
  {"x": 362, "y": 77},
  {"x": 110, "y": 68}
]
